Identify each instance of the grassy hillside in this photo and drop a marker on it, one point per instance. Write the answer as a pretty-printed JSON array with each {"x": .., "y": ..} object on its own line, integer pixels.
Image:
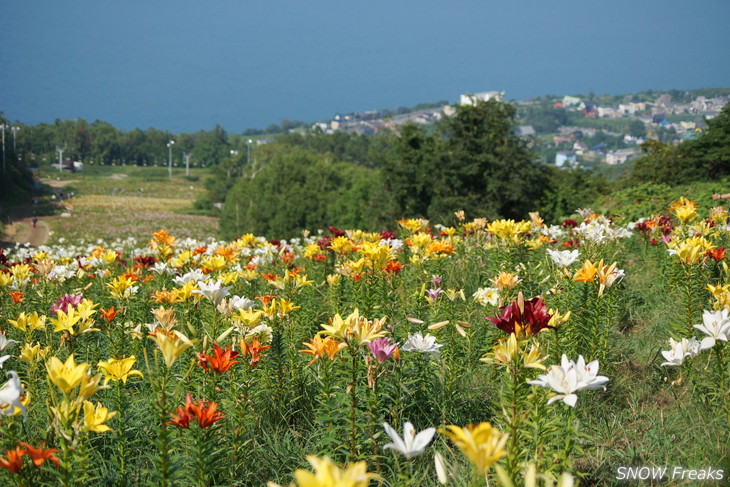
[{"x": 129, "y": 201}]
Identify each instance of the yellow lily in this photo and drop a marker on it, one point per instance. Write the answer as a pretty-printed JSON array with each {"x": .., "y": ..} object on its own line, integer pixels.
[
  {"x": 328, "y": 474},
  {"x": 96, "y": 416},
  {"x": 172, "y": 346},
  {"x": 118, "y": 369},
  {"x": 29, "y": 322},
  {"x": 90, "y": 385},
  {"x": 66, "y": 375},
  {"x": 32, "y": 353},
  {"x": 65, "y": 321},
  {"x": 482, "y": 444}
]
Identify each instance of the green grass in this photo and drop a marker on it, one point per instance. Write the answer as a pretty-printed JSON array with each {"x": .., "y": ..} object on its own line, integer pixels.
[{"x": 131, "y": 201}]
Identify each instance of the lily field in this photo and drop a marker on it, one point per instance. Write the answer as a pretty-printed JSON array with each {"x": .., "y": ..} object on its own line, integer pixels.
[{"x": 500, "y": 353}]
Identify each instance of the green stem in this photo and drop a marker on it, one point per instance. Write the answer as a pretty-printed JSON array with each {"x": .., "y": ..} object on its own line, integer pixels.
[
  {"x": 164, "y": 433},
  {"x": 120, "y": 436},
  {"x": 353, "y": 404},
  {"x": 721, "y": 370},
  {"x": 688, "y": 303},
  {"x": 569, "y": 440},
  {"x": 513, "y": 454}
]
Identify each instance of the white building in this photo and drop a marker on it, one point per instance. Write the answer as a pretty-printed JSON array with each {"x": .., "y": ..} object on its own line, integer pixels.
[
  {"x": 566, "y": 159},
  {"x": 569, "y": 101},
  {"x": 471, "y": 99},
  {"x": 619, "y": 156}
]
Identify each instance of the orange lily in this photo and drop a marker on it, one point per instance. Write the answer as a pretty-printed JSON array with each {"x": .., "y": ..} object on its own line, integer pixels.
[
  {"x": 588, "y": 272},
  {"x": 320, "y": 347},
  {"x": 13, "y": 459},
  {"x": 253, "y": 350},
  {"x": 17, "y": 296},
  {"x": 205, "y": 412},
  {"x": 220, "y": 361},
  {"x": 183, "y": 417},
  {"x": 109, "y": 314},
  {"x": 40, "y": 455}
]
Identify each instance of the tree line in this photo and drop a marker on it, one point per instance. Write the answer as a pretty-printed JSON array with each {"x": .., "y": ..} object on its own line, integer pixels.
[
  {"x": 101, "y": 143},
  {"x": 472, "y": 161}
]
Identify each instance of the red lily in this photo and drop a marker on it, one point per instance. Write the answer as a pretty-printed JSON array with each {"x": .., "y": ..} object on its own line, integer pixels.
[{"x": 522, "y": 316}]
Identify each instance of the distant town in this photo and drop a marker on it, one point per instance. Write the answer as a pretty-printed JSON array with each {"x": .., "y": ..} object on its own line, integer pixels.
[{"x": 600, "y": 132}]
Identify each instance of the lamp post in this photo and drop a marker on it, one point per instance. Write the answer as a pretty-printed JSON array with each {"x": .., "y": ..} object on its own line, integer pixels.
[
  {"x": 187, "y": 156},
  {"x": 60, "y": 157},
  {"x": 14, "y": 130},
  {"x": 248, "y": 156},
  {"x": 2, "y": 126},
  {"x": 169, "y": 163}
]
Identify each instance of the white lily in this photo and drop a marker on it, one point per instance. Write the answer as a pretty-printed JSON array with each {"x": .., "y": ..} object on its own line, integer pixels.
[
  {"x": 5, "y": 343},
  {"x": 419, "y": 343},
  {"x": 214, "y": 291},
  {"x": 196, "y": 275},
  {"x": 10, "y": 395},
  {"x": 563, "y": 258},
  {"x": 487, "y": 295},
  {"x": 716, "y": 325},
  {"x": 569, "y": 377},
  {"x": 680, "y": 350},
  {"x": 412, "y": 444}
]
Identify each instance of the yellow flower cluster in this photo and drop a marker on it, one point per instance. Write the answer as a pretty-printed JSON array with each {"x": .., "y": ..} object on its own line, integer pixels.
[{"x": 68, "y": 376}]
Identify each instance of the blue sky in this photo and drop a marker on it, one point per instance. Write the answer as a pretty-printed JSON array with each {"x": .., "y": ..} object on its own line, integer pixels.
[{"x": 185, "y": 66}]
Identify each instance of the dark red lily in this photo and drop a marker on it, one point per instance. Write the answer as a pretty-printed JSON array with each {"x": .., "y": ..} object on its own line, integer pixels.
[{"x": 523, "y": 317}]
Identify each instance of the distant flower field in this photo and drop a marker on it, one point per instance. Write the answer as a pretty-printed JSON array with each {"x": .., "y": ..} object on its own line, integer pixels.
[
  {"x": 482, "y": 353},
  {"x": 108, "y": 217}
]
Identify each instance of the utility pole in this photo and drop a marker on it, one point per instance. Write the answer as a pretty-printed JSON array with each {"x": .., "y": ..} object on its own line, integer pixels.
[
  {"x": 169, "y": 163},
  {"x": 14, "y": 130},
  {"x": 2, "y": 126},
  {"x": 187, "y": 163}
]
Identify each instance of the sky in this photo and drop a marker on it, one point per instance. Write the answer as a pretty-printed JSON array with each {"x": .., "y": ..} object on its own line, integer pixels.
[{"x": 184, "y": 65}]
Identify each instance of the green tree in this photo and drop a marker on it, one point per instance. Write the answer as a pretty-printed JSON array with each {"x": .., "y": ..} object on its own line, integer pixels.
[
  {"x": 661, "y": 163},
  {"x": 408, "y": 171},
  {"x": 211, "y": 146},
  {"x": 292, "y": 189},
  {"x": 637, "y": 128},
  {"x": 710, "y": 152},
  {"x": 568, "y": 190},
  {"x": 485, "y": 168},
  {"x": 105, "y": 143}
]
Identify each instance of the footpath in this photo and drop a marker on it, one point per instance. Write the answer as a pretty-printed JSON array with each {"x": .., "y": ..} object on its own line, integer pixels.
[{"x": 20, "y": 228}]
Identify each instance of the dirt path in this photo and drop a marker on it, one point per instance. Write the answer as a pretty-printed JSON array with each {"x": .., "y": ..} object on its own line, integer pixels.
[{"x": 21, "y": 230}]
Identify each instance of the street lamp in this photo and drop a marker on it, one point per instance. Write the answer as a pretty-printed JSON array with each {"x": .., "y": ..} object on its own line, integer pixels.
[
  {"x": 60, "y": 157},
  {"x": 14, "y": 130},
  {"x": 187, "y": 156},
  {"x": 169, "y": 164},
  {"x": 248, "y": 157},
  {"x": 2, "y": 126}
]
